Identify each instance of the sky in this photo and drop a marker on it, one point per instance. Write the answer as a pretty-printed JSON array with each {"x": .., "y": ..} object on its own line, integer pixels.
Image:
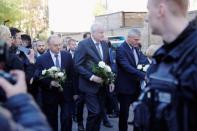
[{"x": 77, "y": 15}]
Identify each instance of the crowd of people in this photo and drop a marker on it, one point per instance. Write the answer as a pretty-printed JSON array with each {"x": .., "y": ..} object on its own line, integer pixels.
[{"x": 163, "y": 96}]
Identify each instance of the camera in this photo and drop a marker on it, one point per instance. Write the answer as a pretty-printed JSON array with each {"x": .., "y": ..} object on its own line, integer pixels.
[
  {"x": 4, "y": 53},
  {"x": 8, "y": 77},
  {"x": 4, "y": 56}
]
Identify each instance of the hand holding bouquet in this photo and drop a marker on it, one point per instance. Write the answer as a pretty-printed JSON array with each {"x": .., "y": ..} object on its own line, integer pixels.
[
  {"x": 56, "y": 74},
  {"x": 143, "y": 67},
  {"x": 104, "y": 71}
]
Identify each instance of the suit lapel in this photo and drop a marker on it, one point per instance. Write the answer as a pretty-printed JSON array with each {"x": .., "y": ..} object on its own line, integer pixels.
[
  {"x": 105, "y": 51},
  {"x": 63, "y": 60},
  {"x": 49, "y": 59},
  {"x": 130, "y": 53},
  {"x": 93, "y": 47}
]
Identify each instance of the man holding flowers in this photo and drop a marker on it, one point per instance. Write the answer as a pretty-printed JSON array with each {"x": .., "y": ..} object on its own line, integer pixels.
[
  {"x": 89, "y": 53},
  {"x": 128, "y": 58},
  {"x": 56, "y": 69}
]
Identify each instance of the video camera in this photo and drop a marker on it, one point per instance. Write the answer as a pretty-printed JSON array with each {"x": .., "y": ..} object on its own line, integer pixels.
[{"x": 4, "y": 56}]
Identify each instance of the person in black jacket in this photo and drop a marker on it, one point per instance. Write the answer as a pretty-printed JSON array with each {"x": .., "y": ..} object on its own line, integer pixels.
[
  {"x": 172, "y": 76},
  {"x": 13, "y": 62},
  {"x": 20, "y": 111},
  {"x": 52, "y": 96}
]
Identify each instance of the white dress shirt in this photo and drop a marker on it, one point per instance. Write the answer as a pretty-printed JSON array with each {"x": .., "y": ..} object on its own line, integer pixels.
[
  {"x": 100, "y": 47},
  {"x": 54, "y": 58},
  {"x": 134, "y": 54},
  {"x": 72, "y": 53}
]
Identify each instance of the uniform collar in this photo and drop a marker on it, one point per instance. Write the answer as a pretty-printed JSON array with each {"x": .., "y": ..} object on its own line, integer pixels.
[{"x": 171, "y": 51}]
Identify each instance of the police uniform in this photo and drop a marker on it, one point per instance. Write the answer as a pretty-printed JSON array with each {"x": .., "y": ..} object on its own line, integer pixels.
[{"x": 174, "y": 99}]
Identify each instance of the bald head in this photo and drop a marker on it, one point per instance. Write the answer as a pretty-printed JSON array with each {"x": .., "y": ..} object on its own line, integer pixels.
[
  {"x": 167, "y": 18},
  {"x": 176, "y": 7},
  {"x": 54, "y": 43}
]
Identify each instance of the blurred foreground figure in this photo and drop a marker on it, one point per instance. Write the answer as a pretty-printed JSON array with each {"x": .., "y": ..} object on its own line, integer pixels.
[
  {"x": 19, "y": 112},
  {"x": 169, "y": 101}
]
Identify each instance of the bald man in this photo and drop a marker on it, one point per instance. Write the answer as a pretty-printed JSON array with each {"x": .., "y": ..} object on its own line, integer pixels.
[{"x": 52, "y": 97}]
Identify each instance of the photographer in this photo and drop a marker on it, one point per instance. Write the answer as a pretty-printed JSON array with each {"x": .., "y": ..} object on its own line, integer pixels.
[
  {"x": 13, "y": 62},
  {"x": 20, "y": 111},
  {"x": 21, "y": 46}
]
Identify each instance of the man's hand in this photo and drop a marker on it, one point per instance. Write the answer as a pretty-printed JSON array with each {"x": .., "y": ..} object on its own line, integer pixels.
[
  {"x": 31, "y": 56},
  {"x": 55, "y": 84},
  {"x": 19, "y": 87},
  {"x": 75, "y": 97},
  {"x": 111, "y": 87},
  {"x": 97, "y": 79}
]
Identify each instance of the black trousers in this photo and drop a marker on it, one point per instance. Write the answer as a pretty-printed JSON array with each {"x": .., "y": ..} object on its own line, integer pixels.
[
  {"x": 112, "y": 103},
  {"x": 95, "y": 106},
  {"x": 125, "y": 101},
  {"x": 79, "y": 103},
  {"x": 50, "y": 109}
]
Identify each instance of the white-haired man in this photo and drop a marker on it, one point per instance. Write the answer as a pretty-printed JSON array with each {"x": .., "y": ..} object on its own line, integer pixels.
[
  {"x": 89, "y": 52},
  {"x": 128, "y": 57}
]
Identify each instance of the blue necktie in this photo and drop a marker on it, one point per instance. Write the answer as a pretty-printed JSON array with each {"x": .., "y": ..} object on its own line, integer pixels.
[
  {"x": 57, "y": 63},
  {"x": 135, "y": 55},
  {"x": 98, "y": 49}
]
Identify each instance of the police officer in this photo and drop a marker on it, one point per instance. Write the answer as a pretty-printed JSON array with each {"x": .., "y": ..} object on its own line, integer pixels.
[{"x": 174, "y": 74}]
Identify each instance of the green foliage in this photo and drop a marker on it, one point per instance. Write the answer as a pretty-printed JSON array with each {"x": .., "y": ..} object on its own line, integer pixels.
[
  {"x": 31, "y": 16},
  {"x": 10, "y": 10},
  {"x": 43, "y": 35},
  {"x": 99, "y": 8}
]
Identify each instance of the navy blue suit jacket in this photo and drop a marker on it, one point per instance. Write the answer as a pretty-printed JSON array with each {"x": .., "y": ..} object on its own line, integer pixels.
[
  {"x": 45, "y": 62},
  {"x": 128, "y": 76},
  {"x": 85, "y": 57}
]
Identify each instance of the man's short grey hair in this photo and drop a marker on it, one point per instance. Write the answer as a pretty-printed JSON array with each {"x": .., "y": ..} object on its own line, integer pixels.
[
  {"x": 4, "y": 32},
  {"x": 51, "y": 37},
  {"x": 134, "y": 32},
  {"x": 95, "y": 27}
]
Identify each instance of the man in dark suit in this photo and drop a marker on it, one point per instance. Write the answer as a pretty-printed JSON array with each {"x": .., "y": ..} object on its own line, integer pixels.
[
  {"x": 52, "y": 97},
  {"x": 89, "y": 52},
  {"x": 128, "y": 76}
]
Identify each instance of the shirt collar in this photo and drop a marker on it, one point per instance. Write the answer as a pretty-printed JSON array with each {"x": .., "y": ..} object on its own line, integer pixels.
[
  {"x": 131, "y": 47},
  {"x": 94, "y": 40},
  {"x": 53, "y": 54}
]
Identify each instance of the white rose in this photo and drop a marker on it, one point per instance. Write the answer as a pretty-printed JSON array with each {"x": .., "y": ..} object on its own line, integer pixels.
[
  {"x": 44, "y": 72},
  {"x": 101, "y": 64},
  {"x": 60, "y": 74},
  {"x": 108, "y": 69},
  {"x": 139, "y": 67},
  {"x": 56, "y": 75},
  {"x": 146, "y": 68},
  {"x": 54, "y": 68},
  {"x": 49, "y": 70}
]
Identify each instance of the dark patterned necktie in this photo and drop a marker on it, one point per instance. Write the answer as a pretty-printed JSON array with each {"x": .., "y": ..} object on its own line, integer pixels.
[
  {"x": 135, "y": 55},
  {"x": 57, "y": 63}
]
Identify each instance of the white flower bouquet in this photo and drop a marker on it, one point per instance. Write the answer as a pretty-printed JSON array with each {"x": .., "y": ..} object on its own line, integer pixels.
[
  {"x": 56, "y": 74},
  {"x": 104, "y": 71},
  {"x": 143, "y": 67}
]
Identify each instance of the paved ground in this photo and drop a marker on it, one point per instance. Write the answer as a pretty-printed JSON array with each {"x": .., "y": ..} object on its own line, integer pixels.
[{"x": 114, "y": 121}]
